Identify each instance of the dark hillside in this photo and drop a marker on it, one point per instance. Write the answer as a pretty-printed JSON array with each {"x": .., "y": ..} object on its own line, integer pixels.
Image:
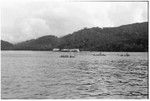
[
  {"x": 42, "y": 43},
  {"x": 6, "y": 45},
  {"x": 132, "y": 37}
]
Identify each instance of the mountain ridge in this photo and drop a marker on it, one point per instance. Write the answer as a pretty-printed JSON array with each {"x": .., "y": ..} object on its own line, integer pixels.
[{"x": 131, "y": 37}]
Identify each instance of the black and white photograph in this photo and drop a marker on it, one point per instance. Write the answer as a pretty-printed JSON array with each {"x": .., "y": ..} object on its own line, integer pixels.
[{"x": 74, "y": 49}]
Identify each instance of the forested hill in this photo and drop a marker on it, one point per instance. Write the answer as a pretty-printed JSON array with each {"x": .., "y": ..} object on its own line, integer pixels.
[
  {"x": 6, "y": 45},
  {"x": 132, "y": 37},
  {"x": 43, "y": 43}
]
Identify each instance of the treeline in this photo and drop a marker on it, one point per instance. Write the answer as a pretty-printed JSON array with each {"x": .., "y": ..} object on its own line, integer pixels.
[
  {"x": 132, "y": 37},
  {"x": 6, "y": 45}
]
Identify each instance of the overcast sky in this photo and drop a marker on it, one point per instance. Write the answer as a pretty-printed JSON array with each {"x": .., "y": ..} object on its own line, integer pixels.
[{"x": 27, "y": 19}]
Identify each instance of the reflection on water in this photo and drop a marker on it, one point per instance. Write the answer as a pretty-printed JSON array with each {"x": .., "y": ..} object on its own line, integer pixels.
[{"x": 30, "y": 74}]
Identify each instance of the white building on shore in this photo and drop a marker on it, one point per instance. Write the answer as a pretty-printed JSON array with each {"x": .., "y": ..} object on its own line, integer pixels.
[
  {"x": 66, "y": 50},
  {"x": 56, "y": 49},
  {"x": 70, "y": 50}
]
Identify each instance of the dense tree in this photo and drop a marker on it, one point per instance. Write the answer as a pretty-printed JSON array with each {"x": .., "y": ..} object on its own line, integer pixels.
[
  {"x": 132, "y": 37},
  {"x": 6, "y": 45},
  {"x": 43, "y": 43}
]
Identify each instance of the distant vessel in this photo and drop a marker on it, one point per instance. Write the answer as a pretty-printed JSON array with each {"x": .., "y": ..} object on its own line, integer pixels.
[
  {"x": 67, "y": 56},
  {"x": 127, "y": 54},
  {"x": 100, "y": 54},
  {"x": 70, "y": 51}
]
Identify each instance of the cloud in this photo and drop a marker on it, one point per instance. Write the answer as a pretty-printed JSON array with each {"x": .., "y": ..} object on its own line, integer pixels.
[
  {"x": 26, "y": 20},
  {"x": 127, "y": 12},
  {"x": 33, "y": 27}
]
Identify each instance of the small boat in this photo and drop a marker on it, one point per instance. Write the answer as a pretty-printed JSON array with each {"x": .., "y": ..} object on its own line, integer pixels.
[
  {"x": 71, "y": 55},
  {"x": 127, "y": 54},
  {"x": 100, "y": 54},
  {"x": 67, "y": 56}
]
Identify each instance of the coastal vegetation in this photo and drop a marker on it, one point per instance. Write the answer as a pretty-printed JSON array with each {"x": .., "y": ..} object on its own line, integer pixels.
[{"x": 131, "y": 37}]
